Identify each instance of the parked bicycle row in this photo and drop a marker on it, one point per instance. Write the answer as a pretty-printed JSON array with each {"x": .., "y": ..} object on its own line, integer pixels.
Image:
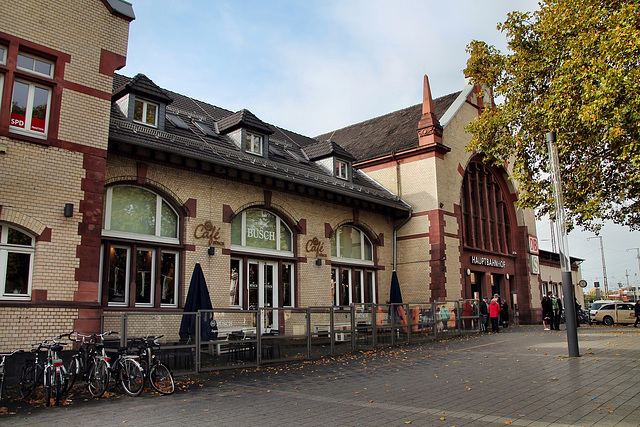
[{"x": 134, "y": 366}]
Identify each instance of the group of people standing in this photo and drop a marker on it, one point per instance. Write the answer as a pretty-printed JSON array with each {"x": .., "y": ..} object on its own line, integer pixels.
[
  {"x": 496, "y": 311},
  {"x": 551, "y": 312}
]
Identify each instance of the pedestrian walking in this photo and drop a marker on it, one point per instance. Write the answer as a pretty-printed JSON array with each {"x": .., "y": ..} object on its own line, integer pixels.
[
  {"x": 445, "y": 314},
  {"x": 484, "y": 314},
  {"x": 546, "y": 312},
  {"x": 494, "y": 313},
  {"x": 556, "y": 308},
  {"x": 636, "y": 312},
  {"x": 504, "y": 313}
]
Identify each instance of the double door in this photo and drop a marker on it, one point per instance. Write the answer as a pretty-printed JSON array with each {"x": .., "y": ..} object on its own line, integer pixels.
[{"x": 263, "y": 291}]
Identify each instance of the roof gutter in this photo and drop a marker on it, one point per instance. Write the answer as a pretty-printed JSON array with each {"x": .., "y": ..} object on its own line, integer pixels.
[{"x": 396, "y": 203}]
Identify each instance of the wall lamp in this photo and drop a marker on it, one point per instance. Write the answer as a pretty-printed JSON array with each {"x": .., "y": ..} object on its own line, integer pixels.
[
  {"x": 211, "y": 250},
  {"x": 318, "y": 262},
  {"x": 68, "y": 210}
]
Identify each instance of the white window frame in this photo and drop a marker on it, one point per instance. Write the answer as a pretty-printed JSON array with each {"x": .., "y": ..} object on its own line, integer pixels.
[
  {"x": 342, "y": 169},
  {"x": 5, "y": 249},
  {"x": 145, "y": 105},
  {"x": 127, "y": 279},
  {"x": 343, "y": 270},
  {"x": 29, "y": 113},
  {"x": 32, "y": 70},
  {"x": 243, "y": 236},
  {"x": 254, "y": 144},
  {"x": 240, "y": 282},
  {"x": 3, "y": 54},
  {"x": 353, "y": 261},
  {"x": 152, "y": 286},
  {"x": 176, "y": 275},
  {"x": 292, "y": 266},
  {"x": 157, "y": 238}
]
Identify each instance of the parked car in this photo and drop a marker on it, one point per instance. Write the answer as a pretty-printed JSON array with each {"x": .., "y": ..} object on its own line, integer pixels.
[{"x": 610, "y": 312}]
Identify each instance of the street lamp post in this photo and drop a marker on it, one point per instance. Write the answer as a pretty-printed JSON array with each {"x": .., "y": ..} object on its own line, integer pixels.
[
  {"x": 604, "y": 266},
  {"x": 563, "y": 249}
]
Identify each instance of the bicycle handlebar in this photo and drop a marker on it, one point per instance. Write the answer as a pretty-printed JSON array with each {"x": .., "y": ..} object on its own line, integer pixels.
[{"x": 3, "y": 355}]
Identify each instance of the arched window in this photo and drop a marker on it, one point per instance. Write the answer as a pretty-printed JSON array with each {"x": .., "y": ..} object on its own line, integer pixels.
[
  {"x": 261, "y": 231},
  {"x": 484, "y": 210},
  {"x": 350, "y": 243},
  {"x": 352, "y": 278},
  {"x": 16, "y": 262},
  {"x": 135, "y": 212},
  {"x": 147, "y": 229}
]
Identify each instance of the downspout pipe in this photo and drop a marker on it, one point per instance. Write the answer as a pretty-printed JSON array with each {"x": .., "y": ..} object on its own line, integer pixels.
[{"x": 395, "y": 238}]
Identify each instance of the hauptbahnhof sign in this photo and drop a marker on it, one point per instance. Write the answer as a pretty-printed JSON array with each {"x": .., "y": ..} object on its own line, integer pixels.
[{"x": 478, "y": 260}]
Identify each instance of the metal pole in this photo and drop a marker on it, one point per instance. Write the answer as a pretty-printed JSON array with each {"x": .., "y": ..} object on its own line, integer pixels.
[
  {"x": 604, "y": 266},
  {"x": 563, "y": 248}
]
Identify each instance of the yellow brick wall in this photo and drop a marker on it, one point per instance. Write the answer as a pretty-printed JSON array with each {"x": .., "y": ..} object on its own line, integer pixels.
[
  {"x": 20, "y": 327},
  {"x": 36, "y": 180},
  {"x": 313, "y": 282}
]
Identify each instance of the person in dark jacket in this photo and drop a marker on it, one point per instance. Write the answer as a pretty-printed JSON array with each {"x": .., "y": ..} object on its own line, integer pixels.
[
  {"x": 484, "y": 314},
  {"x": 504, "y": 313},
  {"x": 636, "y": 312},
  {"x": 547, "y": 310}
]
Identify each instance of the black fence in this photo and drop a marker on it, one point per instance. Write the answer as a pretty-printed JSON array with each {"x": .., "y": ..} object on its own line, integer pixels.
[{"x": 227, "y": 338}]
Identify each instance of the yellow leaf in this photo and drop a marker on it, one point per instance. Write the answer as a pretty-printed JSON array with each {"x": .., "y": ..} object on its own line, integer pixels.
[{"x": 442, "y": 418}]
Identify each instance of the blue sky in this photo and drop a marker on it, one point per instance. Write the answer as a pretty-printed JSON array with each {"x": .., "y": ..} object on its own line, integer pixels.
[{"x": 315, "y": 66}]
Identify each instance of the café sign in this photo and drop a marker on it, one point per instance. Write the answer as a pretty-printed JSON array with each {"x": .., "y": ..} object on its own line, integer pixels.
[
  {"x": 478, "y": 260},
  {"x": 316, "y": 246},
  {"x": 210, "y": 232}
]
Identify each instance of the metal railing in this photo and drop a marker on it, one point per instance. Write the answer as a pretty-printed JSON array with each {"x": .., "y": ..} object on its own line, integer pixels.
[{"x": 228, "y": 338}]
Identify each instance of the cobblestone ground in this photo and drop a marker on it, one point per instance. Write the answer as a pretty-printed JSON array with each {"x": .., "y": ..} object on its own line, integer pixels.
[{"x": 521, "y": 376}]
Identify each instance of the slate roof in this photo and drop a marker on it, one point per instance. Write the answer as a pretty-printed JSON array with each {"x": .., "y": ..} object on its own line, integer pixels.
[
  {"x": 142, "y": 85},
  {"x": 328, "y": 148},
  {"x": 391, "y": 133},
  {"x": 243, "y": 118},
  {"x": 287, "y": 160}
]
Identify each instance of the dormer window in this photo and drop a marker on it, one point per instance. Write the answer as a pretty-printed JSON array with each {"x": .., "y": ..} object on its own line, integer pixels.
[
  {"x": 145, "y": 112},
  {"x": 253, "y": 144},
  {"x": 342, "y": 169}
]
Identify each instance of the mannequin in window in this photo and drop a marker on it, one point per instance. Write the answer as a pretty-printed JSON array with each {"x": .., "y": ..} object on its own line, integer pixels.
[{"x": 233, "y": 291}]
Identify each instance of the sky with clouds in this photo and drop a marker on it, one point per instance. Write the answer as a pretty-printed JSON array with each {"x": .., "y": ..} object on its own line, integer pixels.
[{"x": 316, "y": 66}]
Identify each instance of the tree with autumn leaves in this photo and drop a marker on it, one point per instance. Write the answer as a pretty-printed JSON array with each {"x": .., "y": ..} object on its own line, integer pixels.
[{"x": 573, "y": 68}]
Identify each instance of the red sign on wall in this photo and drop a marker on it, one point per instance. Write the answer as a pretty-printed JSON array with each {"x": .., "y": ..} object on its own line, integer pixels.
[{"x": 533, "y": 245}]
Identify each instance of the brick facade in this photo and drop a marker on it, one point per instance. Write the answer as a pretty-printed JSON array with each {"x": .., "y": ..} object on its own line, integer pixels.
[{"x": 40, "y": 176}]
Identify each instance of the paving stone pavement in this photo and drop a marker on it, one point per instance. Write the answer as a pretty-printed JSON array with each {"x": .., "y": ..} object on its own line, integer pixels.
[{"x": 521, "y": 376}]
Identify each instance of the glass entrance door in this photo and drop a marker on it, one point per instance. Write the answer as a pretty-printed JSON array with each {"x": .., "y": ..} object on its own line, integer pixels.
[{"x": 263, "y": 290}]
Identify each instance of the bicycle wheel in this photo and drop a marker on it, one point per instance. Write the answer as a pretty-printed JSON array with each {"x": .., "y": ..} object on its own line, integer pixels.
[
  {"x": 73, "y": 370},
  {"x": 131, "y": 377},
  {"x": 58, "y": 385},
  {"x": 49, "y": 378},
  {"x": 1, "y": 382},
  {"x": 98, "y": 379},
  {"x": 161, "y": 379},
  {"x": 29, "y": 378}
]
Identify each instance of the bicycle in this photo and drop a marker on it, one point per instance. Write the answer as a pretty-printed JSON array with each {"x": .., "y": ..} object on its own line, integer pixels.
[
  {"x": 31, "y": 374},
  {"x": 127, "y": 370},
  {"x": 3, "y": 357},
  {"x": 79, "y": 360},
  {"x": 156, "y": 372},
  {"x": 98, "y": 368}
]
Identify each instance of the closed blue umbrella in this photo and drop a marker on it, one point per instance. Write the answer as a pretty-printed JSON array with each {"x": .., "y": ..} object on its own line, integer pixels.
[
  {"x": 395, "y": 296},
  {"x": 198, "y": 299}
]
